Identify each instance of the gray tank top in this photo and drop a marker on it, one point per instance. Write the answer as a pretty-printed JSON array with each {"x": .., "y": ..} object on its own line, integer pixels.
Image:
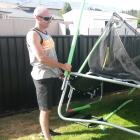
[{"x": 42, "y": 71}]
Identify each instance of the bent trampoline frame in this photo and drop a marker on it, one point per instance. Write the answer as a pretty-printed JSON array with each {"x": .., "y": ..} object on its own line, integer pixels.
[
  {"x": 66, "y": 83},
  {"x": 86, "y": 120}
]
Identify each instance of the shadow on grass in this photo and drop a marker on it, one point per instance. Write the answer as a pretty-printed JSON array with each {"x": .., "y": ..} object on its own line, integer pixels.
[
  {"x": 27, "y": 124},
  {"x": 24, "y": 125},
  {"x": 108, "y": 134},
  {"x": 129, "y": 113}
]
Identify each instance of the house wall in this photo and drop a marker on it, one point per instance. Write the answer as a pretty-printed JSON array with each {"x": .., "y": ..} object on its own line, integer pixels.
[
  {"x": 96, "y": 27},
  {"x": 62, "y": 29},
  {"x": 54, "y": 12},
  {"x": 19, "y": 26},
  {"x": 138, "y": 29},
  {"x": 94, "y": 24},
  {"x": 66, "y": 28}
]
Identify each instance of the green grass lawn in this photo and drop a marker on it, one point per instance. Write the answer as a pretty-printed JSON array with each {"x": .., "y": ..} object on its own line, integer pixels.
[{"x": 26, "y": 127}]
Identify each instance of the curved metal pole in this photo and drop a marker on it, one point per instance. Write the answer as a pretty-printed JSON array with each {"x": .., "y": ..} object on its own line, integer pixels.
[
  {"x": 89, "y": 121},
  {"x": 113, "y": 112},
  {"x": 65, "y": 85},
  {"x": 100, "y": 78}
]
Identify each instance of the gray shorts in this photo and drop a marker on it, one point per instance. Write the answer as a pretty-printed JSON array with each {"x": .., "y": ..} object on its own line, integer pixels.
[{"x": 48, "y": 92}]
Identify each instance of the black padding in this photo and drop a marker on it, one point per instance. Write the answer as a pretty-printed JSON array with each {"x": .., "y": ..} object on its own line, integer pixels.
[{"x": 85, "y": 84}]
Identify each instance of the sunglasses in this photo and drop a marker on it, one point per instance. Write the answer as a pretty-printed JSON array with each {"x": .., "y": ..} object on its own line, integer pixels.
[{"x": 46, "y": 18}]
